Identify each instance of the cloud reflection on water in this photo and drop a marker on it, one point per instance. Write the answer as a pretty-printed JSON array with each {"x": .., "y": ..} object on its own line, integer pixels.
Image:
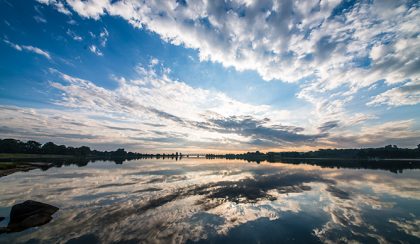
[{"x": 168, "y": 201}]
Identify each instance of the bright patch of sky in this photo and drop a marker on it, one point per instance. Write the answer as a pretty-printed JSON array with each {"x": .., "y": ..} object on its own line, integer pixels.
[{"x": 210, "y": 75}]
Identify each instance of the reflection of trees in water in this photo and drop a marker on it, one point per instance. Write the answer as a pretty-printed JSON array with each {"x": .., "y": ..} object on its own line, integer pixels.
[
  {"x": 395, "y": 166},
  {"x": 350, "y": 158}
]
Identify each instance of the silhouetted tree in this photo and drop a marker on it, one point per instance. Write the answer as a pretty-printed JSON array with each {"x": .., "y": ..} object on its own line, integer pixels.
[
  {"x": 83, "y": 151},
  {"x": 32, "y": 147},
  {"x": 50, "y": 148},
  {"x": 120, "y": 153}
]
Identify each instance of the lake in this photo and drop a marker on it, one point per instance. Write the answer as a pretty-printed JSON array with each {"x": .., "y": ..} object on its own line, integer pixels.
[{"x": 220, "y": 201}]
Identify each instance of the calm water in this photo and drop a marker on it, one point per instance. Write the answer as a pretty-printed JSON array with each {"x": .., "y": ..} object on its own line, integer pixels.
[{"x": 198, "y": 200}]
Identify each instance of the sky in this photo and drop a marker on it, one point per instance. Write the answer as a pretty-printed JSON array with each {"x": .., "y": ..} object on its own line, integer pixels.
[{"x": 211, "y": 76}]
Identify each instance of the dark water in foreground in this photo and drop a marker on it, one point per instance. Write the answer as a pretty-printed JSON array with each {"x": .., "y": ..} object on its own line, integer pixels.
[{"x": 198, "y": 200}]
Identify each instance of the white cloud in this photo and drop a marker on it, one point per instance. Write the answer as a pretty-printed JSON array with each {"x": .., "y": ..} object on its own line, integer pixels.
[
  {"x": 154, "y": 61},
  {"x": 330, "y": 49},
  {"x": 406, "y": 94},
  {"x": 93, "y": 9},
  {"x": 95, "y": 50},
  {"x": 152, "y": 109},
  {"x": 154, "y": 112},
  {"x": 57, "y": 5},
  {"x": 28, "y": 48},
  {"x": 399, "y": 132},
  {"x": 40, "y": 19},
  {"x": 104, "y": 37},
  {"x": 277, "y": 38},
  {"x": 154, "y": 90},
  {"x": 74, "y": 36}
]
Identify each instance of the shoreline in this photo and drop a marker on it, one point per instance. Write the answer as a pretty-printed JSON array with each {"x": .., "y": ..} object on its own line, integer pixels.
[
  {"x": 10, "y": 157},
  {"x": 16, "y": 168},
  {"x": 359, "y": 159},
  {"x": 12, "y": 163}
]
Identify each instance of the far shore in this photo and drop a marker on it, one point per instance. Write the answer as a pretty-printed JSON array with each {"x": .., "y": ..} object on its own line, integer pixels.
[
  {"x": 17, "y": 162},
  {"x": 22, "y": 157},
  {"x": 18, "y": 157},
  {"x": 359, "y": 159},
  {"x": 11, "y": 156}
]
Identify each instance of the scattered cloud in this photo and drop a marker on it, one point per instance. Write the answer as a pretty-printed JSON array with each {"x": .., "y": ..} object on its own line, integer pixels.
[
  {"x": 155, "y": 98},
  {"x": 103, "y": 36},
  {"x": 406, "y": 94},
  {"x": 331, "y": 48},
  {"x": 95, "y": 50},
  {"x": 399, "y": 132},
  {"x": 337, "y": 54},
  {"x": 154, "y": 112},
  {"x": 324, "y": 39},
  {"x": 57, "y": 4},
  {"x": 28, "y": 48},
  {"x": 73, "y": 35},
  {"x": 261, "y": 132},
  {"x": 328, "y": 125},
  {"x": 40, "y": 19},
  {"x": 192, "y": 117}
]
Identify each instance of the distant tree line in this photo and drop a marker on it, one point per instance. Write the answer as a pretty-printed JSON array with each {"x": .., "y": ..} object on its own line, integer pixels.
[
  {"x": 387, "y": 152},
  {"x": 33, "y": 147}
]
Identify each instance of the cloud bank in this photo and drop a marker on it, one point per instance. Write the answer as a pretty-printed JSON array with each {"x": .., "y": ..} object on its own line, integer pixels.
[{"x": 155, "y": 112}]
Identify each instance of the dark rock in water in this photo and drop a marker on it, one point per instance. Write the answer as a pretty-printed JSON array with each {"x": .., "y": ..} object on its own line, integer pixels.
[
  {"x": 3, "y": 230},
  {"x": 88, "y": 239},
  {"x": 29, "y": 214}
]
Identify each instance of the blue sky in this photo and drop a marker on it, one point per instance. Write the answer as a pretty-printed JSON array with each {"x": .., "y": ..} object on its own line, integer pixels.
[{"x": 210, "y": 75}]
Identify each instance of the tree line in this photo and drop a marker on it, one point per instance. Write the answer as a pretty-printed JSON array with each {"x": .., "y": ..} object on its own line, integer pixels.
[
  {"x": 387, "y": 152},
  {"x": 34, "y": 147}
]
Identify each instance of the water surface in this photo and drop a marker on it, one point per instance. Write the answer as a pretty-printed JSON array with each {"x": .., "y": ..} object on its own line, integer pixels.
[{"x": 223, "y": 201}]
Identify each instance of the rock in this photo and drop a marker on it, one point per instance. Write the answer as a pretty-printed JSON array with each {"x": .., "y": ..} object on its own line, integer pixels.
[
  {"x": 29, "y": 214},
  {"x": 3, "y": 230},
  {"x": 87, "y": 238}
]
